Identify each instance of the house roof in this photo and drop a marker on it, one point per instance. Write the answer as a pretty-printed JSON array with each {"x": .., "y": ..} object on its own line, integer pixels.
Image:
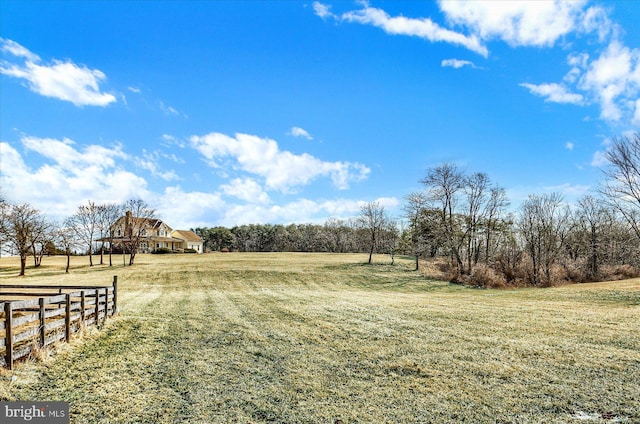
[
  {"x": 153, "y": 223},
  {"x": 186, "y": 235}
]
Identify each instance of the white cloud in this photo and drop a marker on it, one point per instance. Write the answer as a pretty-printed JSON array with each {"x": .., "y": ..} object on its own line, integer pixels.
[
  {"x": 300, "y": 132},
  {"x": 61, "y": 80},
  {"x": 245, "y": 189},
  {"x": 282, "y": 170},
  {"x": 519, "y": 23},
  {"x": 614, "y": 79},
  {"x": 150, "y": 162},
  {"x": 569, "y": 145},
  {"x": 17, "y": 50},
  {"x": 185, "y": 210},
  {"x": 68, "y": 178},
  {"x": 399, "y": 25},
  {"x": 596, "y": 19},
  {"x": 457, "y": 63},
  {"x": 72, "y": 174},
  {"x": 322, "y": 10},
  {"x": 554, "y": 93},
  {"x": 65, "y": 155},
  {"x": 134, "y": 90},
  {"x": 298, "y": 211}
]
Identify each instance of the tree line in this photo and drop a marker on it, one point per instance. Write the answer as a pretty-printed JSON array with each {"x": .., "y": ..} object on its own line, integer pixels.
[
  {"x": 465, "y": 219},
  {"x": 461, "y": 219}
]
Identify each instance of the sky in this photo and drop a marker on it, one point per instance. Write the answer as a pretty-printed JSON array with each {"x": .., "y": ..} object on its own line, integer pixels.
[{"x": 238, "y": 112}]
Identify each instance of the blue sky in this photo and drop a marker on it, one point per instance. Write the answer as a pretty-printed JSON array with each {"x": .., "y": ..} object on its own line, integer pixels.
[{"x": 224, "y": 113}]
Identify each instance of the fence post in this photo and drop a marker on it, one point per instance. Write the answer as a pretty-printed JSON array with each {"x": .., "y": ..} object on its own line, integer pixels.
[
  {"x": 106, "y": 305},
  {"x": 42, "y": 322},
  {"x": 82, "y": 306},
  {"x": 97, "y": 292},
  {"x": 67, "y": 318},
  {"x": 115, "y": 294},
  {"x": 8, "y": 316}
]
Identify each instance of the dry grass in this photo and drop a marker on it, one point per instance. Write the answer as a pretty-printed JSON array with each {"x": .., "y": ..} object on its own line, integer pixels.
[{"x": 320, "y": 338}]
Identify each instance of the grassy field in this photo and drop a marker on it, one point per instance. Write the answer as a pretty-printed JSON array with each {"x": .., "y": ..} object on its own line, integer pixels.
[{"x": 321, "y": 338}]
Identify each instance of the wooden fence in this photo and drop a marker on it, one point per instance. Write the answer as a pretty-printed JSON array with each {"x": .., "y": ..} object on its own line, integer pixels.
[{"x": 34, "y": 317}]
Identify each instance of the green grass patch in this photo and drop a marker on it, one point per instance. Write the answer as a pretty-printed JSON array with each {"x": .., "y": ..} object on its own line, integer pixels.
[{"x": 323, "y": 338}]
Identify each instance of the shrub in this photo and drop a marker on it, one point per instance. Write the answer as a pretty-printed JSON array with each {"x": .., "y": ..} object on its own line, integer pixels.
[
  {"x": 190, "y": 250},
  {"x": 162, "y": 250},
  {"x": 619, "y": 272},
  {"x": 485, "y": 276}
]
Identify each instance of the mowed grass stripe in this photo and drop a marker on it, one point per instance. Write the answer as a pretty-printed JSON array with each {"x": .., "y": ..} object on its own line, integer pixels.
[{"x": 320, "y": 338}]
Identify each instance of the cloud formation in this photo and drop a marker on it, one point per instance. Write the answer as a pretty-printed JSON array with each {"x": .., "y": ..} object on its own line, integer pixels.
[
  {"x": 423, "y": 28},
  {"x": 457, "y": 63},
  {"x": 74, "y": 174},
  {"x": 610, "y": 79},
  {"x": 300, "y": 132},
  {"x": 79, "y": 173},
  {"x": 518, "y": 23},
  {"x": 281, "y": 170},
  {"x": 555, "y": 93},
  {"x": 614, "y": 80},
  {"x": 61, "y": 80}
]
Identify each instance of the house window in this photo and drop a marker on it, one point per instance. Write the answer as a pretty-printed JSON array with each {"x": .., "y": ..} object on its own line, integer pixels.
[{"x": 119, "y": 233}]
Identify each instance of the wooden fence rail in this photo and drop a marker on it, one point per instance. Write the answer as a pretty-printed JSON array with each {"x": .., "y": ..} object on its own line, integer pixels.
[{"x": 33, "y": 317}]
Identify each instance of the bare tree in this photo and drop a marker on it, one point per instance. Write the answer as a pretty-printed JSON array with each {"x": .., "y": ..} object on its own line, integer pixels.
[
  {"x": 373, "y": 220},
  {"x": 66, "y": 237},
  {"x": 390, "y": 236},
  {"x": 495, "y": 208},
  {"x": 85, "y": 223},
  {"x": 475, "y": 189},
  {"x": 443, "y": 185},
  {"x": 592, "y": 217},
  {"x": 138, "y": 224},
  {"x": 22, "y": 226},
  {"x": 544, "y": 223},
  {"x": 109, "y": 214},
  {"x": 5, "y": 210},
  {"x": 416, "y": 204},
  {"x": 622, "y": 188},
  {"x": 41, "y": 240}
]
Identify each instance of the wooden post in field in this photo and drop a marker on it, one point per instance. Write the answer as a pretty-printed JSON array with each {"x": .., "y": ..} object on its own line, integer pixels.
[
  {"x": 8, "y": 316},
  {"x": 97, "y": 306},
  {"x": 106, "y": 305},
  {"x": 82, "y": 306},
  {"x": 67, "y": 318},
  {"x": 42, "y": 322},
  {"x": 115, "y": 294}
]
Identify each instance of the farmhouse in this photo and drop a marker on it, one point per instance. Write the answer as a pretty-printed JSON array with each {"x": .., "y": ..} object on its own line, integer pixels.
[{"x": 152, "y": 234}]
